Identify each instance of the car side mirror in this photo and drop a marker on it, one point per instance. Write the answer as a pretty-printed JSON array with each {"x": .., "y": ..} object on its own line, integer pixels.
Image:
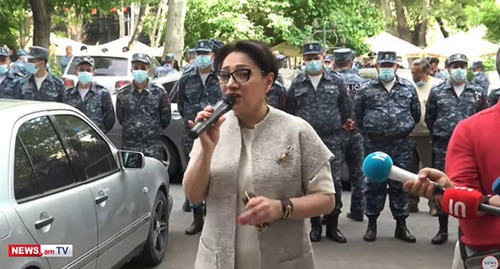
[{"x": 131, "y": 159}]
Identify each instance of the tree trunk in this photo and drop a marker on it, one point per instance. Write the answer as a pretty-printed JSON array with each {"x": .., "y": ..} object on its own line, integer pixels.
[
  {"x": 441, "y": 27},
  {"x": 424, "y": 26},
  {"x": 121, "y": 22},
  {"x": 25, "y": 23},
  {"x": 143, "y": 11},
  {"x": 386, "y": 7},
  {"x": 155, "y": 35},
  {"x": 42, "y": 12},
  {"x": 403, "y": 31},
  {"x": 174, "y": 36}
]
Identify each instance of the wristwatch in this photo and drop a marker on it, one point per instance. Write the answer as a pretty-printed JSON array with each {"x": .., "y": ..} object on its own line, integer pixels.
[
  {"x": 487, "y": 199},
  {"x": 287, "y": 208}
]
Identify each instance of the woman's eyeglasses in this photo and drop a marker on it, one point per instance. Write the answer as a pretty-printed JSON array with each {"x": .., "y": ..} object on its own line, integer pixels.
[{"x": 240, "y": 75}]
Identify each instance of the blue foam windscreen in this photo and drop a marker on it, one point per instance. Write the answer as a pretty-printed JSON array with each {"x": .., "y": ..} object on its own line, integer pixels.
[{"x": 377, "y": 166}]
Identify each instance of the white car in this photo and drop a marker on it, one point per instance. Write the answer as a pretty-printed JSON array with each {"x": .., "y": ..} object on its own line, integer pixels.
[
  {"x": 64, "y": 185},
  {"x": 112, "y": 70}
]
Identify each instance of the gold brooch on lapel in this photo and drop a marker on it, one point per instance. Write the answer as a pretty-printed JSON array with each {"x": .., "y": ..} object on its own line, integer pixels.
[{"x": 286, "y": 156}]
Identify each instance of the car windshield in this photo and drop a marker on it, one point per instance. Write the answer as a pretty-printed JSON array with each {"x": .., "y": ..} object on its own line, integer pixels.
[{"x": 104, "y": 66}]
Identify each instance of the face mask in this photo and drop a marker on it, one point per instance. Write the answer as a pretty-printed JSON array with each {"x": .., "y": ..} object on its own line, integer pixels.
[
  {"x": 314, "y": 66},
  {"x": 31, "y": 68},
  {"x": 3, "y": 69},
  {"x": 203, "y": 61},
  {"x": 420, "y": 84},
  {"x": 386, "y": 74},
  {"x": 476, "y": 73},
  {"x": 85, "y": 77},
  {"x": 458, "y": 75},
  {"x": 140, "y": 75},
  {"x": 328, "y": 68}
]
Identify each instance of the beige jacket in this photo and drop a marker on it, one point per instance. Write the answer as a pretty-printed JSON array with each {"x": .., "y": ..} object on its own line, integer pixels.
[{"x": 285, "y": 244}]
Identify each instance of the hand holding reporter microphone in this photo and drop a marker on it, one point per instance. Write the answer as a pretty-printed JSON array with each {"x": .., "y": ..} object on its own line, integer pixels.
[
  {"x": 219, "y": 109},
  {"x": 379, "y": 167}
]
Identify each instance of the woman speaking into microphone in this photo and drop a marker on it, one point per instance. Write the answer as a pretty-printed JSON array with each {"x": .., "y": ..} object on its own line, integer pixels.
[{"x": 261, "y": 171}]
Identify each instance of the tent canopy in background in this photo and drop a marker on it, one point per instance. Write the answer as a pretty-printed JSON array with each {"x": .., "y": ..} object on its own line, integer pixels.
[
  {"x": 387, "y": 42},
  {"x": 118, "y": 44},
  {"x": 60, "y": 44},
  {"x": 469, "y": 44},
  {"x": 287, "y": 50}
]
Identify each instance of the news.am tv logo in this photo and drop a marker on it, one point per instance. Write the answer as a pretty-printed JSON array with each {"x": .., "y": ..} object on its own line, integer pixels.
[{"x": 34, "y": 250}]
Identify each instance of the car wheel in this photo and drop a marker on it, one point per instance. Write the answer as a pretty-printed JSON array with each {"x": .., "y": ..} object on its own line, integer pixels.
[
  {"x": 172, "y": 160},
  {"x": 157, "y": 241}
]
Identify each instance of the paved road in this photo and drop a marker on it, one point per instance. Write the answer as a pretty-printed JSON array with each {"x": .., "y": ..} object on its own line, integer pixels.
[{"x": 386, "y": 252}]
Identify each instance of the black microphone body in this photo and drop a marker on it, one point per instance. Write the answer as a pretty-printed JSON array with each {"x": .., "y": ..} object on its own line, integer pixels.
[{"x": 220, "y": 108}]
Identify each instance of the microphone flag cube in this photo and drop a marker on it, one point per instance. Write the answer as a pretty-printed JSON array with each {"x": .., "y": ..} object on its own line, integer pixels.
[
  {"x": 377, "y": 166},
  {"x": 462, "y": 203}
]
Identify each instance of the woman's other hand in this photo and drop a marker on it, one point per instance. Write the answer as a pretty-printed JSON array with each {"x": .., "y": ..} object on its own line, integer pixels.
[
  {"x": 260, "y": 210},
  {"x": 210, "y": 137}
]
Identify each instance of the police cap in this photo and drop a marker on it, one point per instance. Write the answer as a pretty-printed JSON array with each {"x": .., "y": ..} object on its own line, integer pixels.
[
  {"x": 386, "y": 57},
  {"x": 477, "y": 64},
  {"x": 457, "y": 58},
  {"x": 312, "y": 48},
  {"x": 4, "y": 52},
  {"x": 86, "y": 60},
  {"x": 37, "y": 52},
  {"x": 21, "y": 52},
  {"x": 141, "y": 57},
  {"x": 342, "y": 55},
  {"x": 280, "y": 57},
  {"x": 203, "y": 45},
  {"x": 169, "y": 57},
  {"x": 191, "y": 52},
  {"x": 328, "y": 58}
]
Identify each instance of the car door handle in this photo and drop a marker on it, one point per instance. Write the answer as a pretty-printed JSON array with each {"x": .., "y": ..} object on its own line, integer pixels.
[
  {"x": 101, "y": 199},
  {"x": 43, "y": 222}
]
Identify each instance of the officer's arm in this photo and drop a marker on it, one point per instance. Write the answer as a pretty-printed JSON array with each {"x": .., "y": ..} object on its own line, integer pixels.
[
  {"x": 431, "y": 110},
  {"x": 493, "y": 97},
  {"x": 120, "y": 114},
  {"x": 483, "y": 101},
  {"x": 108, "y": 110},
  {"x": 181, "y": 95},
  {"x": 60, "y": 90},
  {"x": 359, "y": 108},
  {"x": 165, "y": 110},
  {"x": 290, "y": 102},
  {"x": 344, "y": 103},
  {"x": 416, "y": 111}
]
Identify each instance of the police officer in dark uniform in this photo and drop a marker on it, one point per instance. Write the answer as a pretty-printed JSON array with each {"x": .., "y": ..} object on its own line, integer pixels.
[
  {"x": 386, "y": 113},
  {"x": 328, "y": 62},
  {"x": 448, "y": 104},
  {"x": 198, "y": 88},
  {"x": 191, "y": 57},
  {"x": 8, "y": 77},
  {"x": 276, "y": 97},
  {"x": 18, "y": 65},
  {"x": 89, "y": 97},
  {"x": 41, "y": 84},
  {"x": 320, "y": 98},
  {"x": 143, "y": 109},
  {"x": 351, "y": 137},
  {"x": 480, "y": 78}
]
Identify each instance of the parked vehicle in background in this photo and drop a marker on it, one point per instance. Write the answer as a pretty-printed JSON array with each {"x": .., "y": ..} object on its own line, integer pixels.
[
  {"x": 64, "y": 183},
  {"x": 112, "y": 70}
]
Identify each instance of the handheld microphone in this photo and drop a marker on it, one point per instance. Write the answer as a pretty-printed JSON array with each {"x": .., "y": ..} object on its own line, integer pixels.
[
  {"x": 465, "y": 203},
  {"x": 220, "y": 108},
  {"x": 378, "y": 167},
  {"x": 496, "y": 186}
]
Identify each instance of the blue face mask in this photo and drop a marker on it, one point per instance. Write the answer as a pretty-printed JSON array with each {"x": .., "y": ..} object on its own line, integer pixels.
[
  {"x": 4, "y": 69},
  {"x": 420, "y": 84},
  {"x": 458, "y": 75},
  {"x": 314, "y": 66},
  {"x": 386, "y": 74},
  {"x": 85, "y": 77},
  {"x": 328, "y": 68},
  {"x": 31, "y": 68},
  {"x": 203, "y": 61},
  {"x": 140, "y": 75}
]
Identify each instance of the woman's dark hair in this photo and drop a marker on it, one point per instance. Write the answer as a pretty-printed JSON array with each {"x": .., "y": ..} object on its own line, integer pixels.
[
  {"x": 256, "y": 50},
  {"x": 498, "y": 61}
]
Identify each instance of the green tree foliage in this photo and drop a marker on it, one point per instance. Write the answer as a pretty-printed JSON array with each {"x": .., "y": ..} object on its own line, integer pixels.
[
  {"x": 488, "y": 14},
  {"x": 282, "y": 21}
]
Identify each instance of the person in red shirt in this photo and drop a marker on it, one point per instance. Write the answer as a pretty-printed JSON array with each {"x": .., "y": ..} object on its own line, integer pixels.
[{"x": 472, "y": 161}]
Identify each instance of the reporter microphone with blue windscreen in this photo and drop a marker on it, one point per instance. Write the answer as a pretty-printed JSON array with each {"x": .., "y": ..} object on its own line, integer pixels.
[{"x": 379, "y": 167}]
